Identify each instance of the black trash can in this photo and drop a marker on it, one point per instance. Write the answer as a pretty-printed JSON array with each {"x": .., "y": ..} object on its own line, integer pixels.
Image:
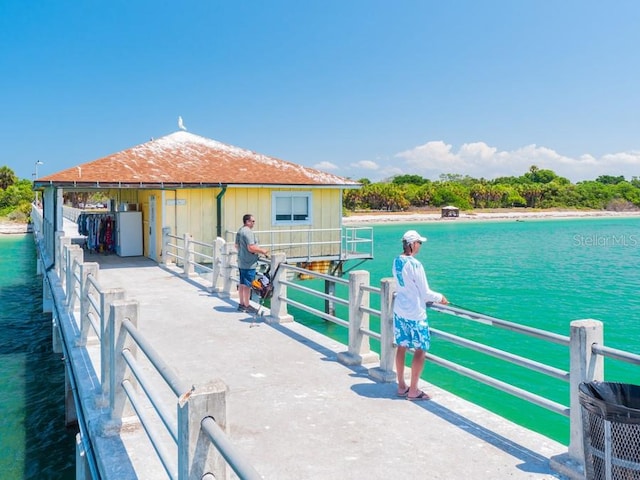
[{"x": 611, "y": 428}]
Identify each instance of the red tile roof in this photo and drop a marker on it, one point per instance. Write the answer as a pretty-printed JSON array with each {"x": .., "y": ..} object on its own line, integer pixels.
[{"x": 183, "y": 158}]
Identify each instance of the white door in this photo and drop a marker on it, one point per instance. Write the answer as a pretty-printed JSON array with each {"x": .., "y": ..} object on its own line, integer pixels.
[{"x": 152, "y": 227}]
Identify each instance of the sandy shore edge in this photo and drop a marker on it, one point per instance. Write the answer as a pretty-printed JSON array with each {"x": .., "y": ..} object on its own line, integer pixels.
[
  {"x": 11, "y": 228},
  {"x": 413, "y": 217}
]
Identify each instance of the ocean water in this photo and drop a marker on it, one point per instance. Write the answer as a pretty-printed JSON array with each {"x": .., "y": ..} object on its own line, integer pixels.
[
  {"x": 540, "y": 273},
  {"x": 34, "y": 442}
]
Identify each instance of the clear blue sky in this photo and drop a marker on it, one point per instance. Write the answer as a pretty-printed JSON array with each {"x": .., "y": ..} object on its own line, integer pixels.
[{"x": 358, "y": 88}]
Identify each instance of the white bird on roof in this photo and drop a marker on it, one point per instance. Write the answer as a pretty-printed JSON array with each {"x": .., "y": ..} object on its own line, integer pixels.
[{"x": 181, "y": 124}]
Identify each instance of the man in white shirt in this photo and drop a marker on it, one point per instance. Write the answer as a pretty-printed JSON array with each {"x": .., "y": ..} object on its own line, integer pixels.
[{"x": 411, "y": 329}]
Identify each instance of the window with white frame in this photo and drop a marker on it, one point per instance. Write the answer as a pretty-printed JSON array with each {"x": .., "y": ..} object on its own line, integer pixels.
[{"x": 291, "y": 208}]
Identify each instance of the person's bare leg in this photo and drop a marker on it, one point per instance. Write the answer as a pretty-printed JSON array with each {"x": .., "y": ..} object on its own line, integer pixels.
[
  {"x": 244, "y": 294},
  {"x": 400, "y": 359},
  {"x": 417, "y": 364}
]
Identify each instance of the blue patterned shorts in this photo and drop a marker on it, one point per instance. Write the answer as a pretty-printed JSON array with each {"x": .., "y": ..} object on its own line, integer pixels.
[{"x": 411, "y": 333}]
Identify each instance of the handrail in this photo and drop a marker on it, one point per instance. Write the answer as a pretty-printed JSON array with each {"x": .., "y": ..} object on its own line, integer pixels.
[
  {"x": 176, "y": 384},
  {"x": 581, "y": 345},
  {"x": 92, "y": 285},
  {"x": 301, "y": 240},
  {"x": 502, "y": 355},
  {"x": 496, "y": 322},
  {"x": 581, "y": 349},
  {"x": 616, "y": 354},
  {"x": 515, "y": 359},
  {"x": 52, "y": 282},
  {"x": 240, "y": 466},
  {"x": 116, "y": 315}
]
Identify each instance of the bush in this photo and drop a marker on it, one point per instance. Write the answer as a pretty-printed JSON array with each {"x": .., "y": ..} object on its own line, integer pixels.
[
  {"x": 620, "y": 205},
  {"x": 18, "y": 216}
]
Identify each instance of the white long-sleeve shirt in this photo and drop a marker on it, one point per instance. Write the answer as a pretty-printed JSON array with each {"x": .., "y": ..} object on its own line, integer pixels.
[{"x": 413, "y": 290}]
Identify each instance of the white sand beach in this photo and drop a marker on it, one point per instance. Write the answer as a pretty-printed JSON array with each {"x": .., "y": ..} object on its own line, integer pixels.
[
  {"x": 359, "y": 218},
  {"x": 12, "y": 228},
  {"x": 506, "y": 214}
]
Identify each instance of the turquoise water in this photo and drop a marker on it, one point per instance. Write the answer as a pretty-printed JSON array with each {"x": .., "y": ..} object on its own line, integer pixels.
[
  {"x": 34, "y": 442},
  {"x": 540, "y": 273}
]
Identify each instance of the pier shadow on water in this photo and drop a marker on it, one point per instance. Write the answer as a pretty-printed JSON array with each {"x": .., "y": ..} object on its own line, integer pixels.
[{"x": 35, "y": 441}]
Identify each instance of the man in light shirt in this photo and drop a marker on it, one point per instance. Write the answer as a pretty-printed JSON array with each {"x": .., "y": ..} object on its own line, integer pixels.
[{"x": 410, "y": 326}]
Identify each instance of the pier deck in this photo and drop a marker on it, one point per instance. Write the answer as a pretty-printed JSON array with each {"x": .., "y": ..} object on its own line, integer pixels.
[{"x": 298, "y": 413}]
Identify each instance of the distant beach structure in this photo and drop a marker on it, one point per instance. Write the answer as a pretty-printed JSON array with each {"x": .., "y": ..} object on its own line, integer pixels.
[{"x": 450, "y": 211}]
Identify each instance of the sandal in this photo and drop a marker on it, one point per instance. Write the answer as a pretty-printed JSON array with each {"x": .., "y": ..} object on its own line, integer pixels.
[
  {"x": 421, "y": 396},
  {"x": 403, "y": 394}
]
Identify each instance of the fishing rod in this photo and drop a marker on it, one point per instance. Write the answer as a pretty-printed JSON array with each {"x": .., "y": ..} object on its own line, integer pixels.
[{"x": 465, "y": 313}]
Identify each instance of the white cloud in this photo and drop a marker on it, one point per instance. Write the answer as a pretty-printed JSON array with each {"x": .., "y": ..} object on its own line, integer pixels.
[
  {"x": 326, "y": 166},
  {"x": 366, "y": 165},
  {"x": 480, "y": 160}
]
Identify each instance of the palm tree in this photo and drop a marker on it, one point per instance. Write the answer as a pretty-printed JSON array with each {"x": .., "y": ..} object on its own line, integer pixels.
[{"x": 7, "y": 177}]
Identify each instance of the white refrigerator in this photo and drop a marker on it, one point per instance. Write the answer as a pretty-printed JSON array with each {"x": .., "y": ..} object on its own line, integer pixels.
[{"x": 129, "y": 234}]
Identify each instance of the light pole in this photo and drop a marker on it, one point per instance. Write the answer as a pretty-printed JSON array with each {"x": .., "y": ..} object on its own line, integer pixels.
[{"x": 36, "y": 177}]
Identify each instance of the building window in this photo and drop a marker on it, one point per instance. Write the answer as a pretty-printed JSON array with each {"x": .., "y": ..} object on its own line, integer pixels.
[{"x": 291, "y": 208}]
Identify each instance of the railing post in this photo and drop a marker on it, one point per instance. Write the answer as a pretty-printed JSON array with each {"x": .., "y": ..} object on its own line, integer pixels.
[
  {"x": 120, "y": 340},
  {"x": 278, "y": 311},
  {"x": 55, "y": 333},
  {"x": 359, "y": 351},
  {"x": 62, "y": 242},
  {"x": 196, "y": 454},
  {"x": 228, "y": 253},
  {"x": 189, "y": 257},
  {"x": 74, "y": 254},
  {"x": 166, "y": 258},
  {"x": 216, "y": 276},
  {"x": 584, "y": 367},
  {"x": 82, "y": 465},
  {"x": 107, "y": 298},
  {"x": 385, "y": 372},
  {"x": 86, "y": 269},
  {"x": 47, "y": 298}
]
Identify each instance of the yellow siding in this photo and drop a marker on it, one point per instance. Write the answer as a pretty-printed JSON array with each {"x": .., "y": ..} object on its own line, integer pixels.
[
  {"x": 326, "y": 214},
  {"x": 194, "y": 211}
]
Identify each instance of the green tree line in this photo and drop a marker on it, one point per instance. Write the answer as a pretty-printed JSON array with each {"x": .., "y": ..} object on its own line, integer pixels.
[
  {"x": 15, "y": 196},
  {"x": 537, "y": 188}
]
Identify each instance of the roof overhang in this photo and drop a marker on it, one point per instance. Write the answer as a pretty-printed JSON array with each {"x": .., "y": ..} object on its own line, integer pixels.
[{"x": 178, "y": 185}]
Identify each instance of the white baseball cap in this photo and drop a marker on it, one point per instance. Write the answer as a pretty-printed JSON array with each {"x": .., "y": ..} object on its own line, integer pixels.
[{"x": 412, "y": 236}]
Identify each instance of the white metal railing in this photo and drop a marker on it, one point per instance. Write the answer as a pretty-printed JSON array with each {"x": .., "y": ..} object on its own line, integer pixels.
[
  {"x": 212, "y": 262},
  {"x": 43, "y": 229},
  {"x": 584, "y": 343},
  {"x": 216, "y": 262},
  {"x": 71, "y": 213},
  {"x": 108, "y": 321},
  {"x": 305, "y": 244}
]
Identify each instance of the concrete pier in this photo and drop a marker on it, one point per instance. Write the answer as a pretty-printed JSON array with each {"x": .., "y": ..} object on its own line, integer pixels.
[{"x": 296, "y": 412}]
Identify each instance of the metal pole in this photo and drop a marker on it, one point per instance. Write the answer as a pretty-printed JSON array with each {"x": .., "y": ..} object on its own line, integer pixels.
[{"x": 36, "y": 177}]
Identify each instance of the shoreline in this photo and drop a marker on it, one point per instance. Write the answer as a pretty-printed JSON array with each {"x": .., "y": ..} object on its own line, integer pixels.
[
  {"x": 13, "y": 228},
  {"x": 506, "y": 215}
]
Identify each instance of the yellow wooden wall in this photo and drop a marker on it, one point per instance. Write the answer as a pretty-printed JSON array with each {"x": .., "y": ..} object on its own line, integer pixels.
[
  {"x": 194, "y": 211},
  {"x": 327, "y": 214}
]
